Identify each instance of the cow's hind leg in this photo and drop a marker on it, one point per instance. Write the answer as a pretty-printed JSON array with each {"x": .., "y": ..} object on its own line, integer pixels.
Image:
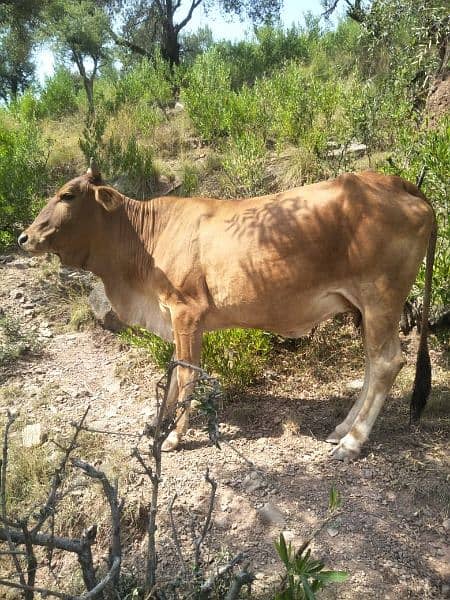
[
  {"x": 343, "y": 428},
  {"x": 383, "y": 362}
]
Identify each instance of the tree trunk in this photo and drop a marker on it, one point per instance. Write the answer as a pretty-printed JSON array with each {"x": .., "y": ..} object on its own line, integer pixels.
[
  {"x": 88, "y": 83},
  {"x": 170, "y": 47}
]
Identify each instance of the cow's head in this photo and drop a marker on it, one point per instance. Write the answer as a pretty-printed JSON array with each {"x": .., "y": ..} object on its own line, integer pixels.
[{"x": 69, "y": 223}]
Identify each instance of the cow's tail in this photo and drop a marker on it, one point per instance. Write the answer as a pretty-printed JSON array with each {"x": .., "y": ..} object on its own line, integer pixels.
[{"x": 422, "y": 381}]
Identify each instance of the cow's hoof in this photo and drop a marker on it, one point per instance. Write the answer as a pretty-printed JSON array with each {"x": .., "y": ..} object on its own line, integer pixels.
[
  {"x": 343, "y": 452},
  {"x": 334, "y": 438},
  {"x": 171, "y": 442}
]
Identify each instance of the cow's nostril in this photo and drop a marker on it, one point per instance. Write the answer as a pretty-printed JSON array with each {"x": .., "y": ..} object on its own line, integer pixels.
[{"x": 22, "y": 239}]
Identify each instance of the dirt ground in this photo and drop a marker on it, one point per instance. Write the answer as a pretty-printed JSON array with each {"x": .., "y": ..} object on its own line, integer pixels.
[{"x": 391, "y": 535}]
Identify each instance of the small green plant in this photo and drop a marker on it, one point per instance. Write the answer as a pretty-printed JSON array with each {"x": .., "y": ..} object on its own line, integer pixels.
[
  {"x": 304, "y": 575},
  {"x": 80, "y": 311},
  {"x": 236, "y": 356},
  {"x": 159, "y": 350},
  {"x": 190, "y": 178}
]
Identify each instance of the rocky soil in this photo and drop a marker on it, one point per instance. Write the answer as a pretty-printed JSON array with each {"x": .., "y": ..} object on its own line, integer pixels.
[{"x": 392, "y": 533}]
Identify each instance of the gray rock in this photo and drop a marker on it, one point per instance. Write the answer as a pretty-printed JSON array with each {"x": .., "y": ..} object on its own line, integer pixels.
[
  {"x": 16, "y": 294},
  {"x": 271, "y": 514},
  {"x": 102, "y": 309},
  {"x": 253, "y": 482},
  {"x": 355, "y": 384},
  {"x": 32, "y": 435},
  {"x": 332, "y": 532}
]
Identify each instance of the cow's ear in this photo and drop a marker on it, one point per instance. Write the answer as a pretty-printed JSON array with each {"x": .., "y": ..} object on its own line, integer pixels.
[{"x": 110, "y": 199}]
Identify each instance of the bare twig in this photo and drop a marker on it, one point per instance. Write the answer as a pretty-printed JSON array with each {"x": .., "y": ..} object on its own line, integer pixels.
[
  {"x": 115, "y": 506},
  {"x": 94, "y": 593},
  {"x": 31, "y": 559},
  {"x": 244, "y": 577},
  {"x": 175, "y": 534},
  {"x": 43, "y": 539},
  {"x": 198, "y": 541},
  {"x": 58, "y": 475},
  {"x": 208, "y": 585},
  {"x": 106, "y": 432},
  {"x": 4, "y": 464}
]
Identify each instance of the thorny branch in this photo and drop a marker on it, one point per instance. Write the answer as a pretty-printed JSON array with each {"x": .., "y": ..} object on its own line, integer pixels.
[
  {"x": 199, "y": 539},
  {"x": 58, "y": 475},
  {"x": 175, "y": 534},
  {"x": 4, "y": 464},
  {"x": 115, "y": 506},
  {"x": 16, "y": 532}
]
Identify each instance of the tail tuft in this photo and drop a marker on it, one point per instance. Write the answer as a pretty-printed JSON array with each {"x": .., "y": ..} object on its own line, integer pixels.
[{"x": 422, "y": 383}]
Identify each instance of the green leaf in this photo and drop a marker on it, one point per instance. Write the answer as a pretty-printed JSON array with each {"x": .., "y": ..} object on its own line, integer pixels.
[
  {"x": 334, "y": 499},
  {"x": 284, "y": 552},
  {"x": 308, "y": 591},
  {"x": 332, "y": 576}
]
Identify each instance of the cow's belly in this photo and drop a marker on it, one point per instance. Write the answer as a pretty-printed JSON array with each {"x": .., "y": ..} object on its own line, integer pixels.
[
  {"x": 291, "y": 316},
  {"x": 143, "y": 310}
]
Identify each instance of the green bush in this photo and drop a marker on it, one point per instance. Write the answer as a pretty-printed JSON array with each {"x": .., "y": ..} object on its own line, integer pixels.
[
  {"x": 59, "y": 95},
  {"x": 243, "y": 164},
  {"x": 430, "y": 148},
  {"x": 148, "y": 83},
  {"x": 236, "y": 356},
  {"x": 26, "y": 107},
  {"x": 23, "y": 175},
  {"x": 132, "y": 166},
  {"x": 128, "y": 163},
  {"x": 159, "y": 350},
  {"x": 207, "y": 95}
]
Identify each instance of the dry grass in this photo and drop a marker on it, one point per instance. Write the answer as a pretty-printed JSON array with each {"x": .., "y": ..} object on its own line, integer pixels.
[
  {"x": 81, "y": 314},
  {"x": 67, "y": 300}
]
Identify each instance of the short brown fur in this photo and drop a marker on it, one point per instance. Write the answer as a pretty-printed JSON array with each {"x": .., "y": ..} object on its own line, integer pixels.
[{"x": 282, "y": 262}]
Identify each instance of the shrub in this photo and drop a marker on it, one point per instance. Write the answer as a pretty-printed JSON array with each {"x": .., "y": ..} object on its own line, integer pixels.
[
  {"x": 59, "y": 95},
  {"x": 430, "y": 148},
  {"x": 236, "y": 356},
  {"x": 159, "y": 350},
  {"x": 148, "y": 83},
  {"x": 23, "y": 175},
  {"x": 207, "y": 95},
  {"x": 132, "y": 166},
  {"x": 129, "y": 163},
  {"x": 243, "y": 163}
]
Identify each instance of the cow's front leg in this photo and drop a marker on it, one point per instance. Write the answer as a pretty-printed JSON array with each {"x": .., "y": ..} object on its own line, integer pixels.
[{"x": 188, "y": 342}]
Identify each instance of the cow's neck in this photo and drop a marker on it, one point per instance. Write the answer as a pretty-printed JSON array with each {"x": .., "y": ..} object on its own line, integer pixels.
[{"x": 124, "y": 247}]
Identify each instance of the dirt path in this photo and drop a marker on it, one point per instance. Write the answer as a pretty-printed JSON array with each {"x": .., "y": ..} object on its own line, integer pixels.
[{"x": 391, "y": 535}]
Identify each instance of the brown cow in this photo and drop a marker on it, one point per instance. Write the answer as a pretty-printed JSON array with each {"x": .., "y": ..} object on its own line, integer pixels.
[{"x": 282, "y": 262}]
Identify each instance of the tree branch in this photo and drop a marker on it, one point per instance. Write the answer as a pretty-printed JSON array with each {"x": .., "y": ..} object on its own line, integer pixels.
[
  {"x": 121, "y": 41},
  {"x": 188, "y": 17},
  {"x": 4, "y": 464},
  {"x": 49, "y": 505}
]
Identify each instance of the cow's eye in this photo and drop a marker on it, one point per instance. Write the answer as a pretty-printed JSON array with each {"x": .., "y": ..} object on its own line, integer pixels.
[{"x": 67, "y": 196}]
